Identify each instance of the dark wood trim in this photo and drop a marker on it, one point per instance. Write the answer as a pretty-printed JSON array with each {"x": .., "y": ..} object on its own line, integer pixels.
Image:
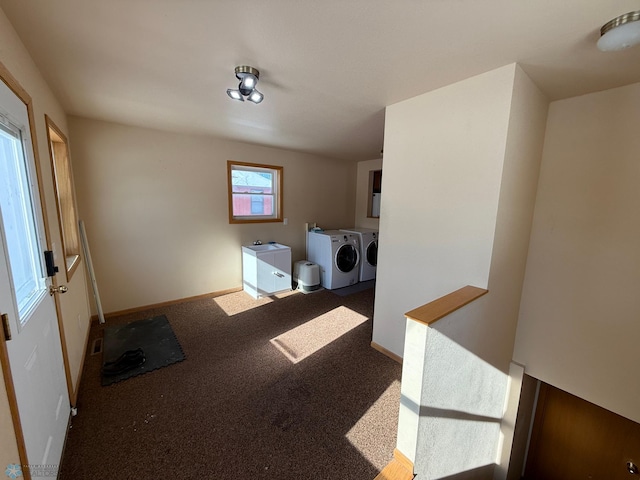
[
  {"x": 443, "y": 306},
  {"x": 168, "y": 303}
]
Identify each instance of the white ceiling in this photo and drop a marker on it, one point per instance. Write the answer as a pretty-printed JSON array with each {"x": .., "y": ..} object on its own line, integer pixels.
[{"x": 327, "y": 68}]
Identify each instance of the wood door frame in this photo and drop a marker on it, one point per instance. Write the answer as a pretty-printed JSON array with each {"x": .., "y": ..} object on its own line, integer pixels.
[
  {"x": 21, "y": 93},
  {"x": 538, "y": 419},
  {"x": 13, "y": 404}
]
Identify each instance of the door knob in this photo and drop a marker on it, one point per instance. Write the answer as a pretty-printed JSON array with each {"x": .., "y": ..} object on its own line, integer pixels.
[
  {"x": 632, "y": 468},
  {"x": 60, "y": 289}
]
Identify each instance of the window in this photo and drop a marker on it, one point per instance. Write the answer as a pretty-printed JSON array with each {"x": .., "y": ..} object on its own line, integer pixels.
[
  {"x": 65, "y": 199},
  {"x": 19, "y": 217},
  {"x": 375, "y": 192},
  {"x": 255, "y": 192},
  {"x": 257, "y": 205}
]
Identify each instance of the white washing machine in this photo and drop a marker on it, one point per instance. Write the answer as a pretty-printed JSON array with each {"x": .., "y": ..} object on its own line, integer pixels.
[
  {"x": 338, "y": 255},
  {"x": 368, "y": 251}
]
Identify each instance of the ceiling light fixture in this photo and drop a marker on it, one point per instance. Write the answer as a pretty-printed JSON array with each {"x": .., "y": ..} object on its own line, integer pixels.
[
  {"x": 620, "y": 33},
  {"x": 248, "y": 77}
]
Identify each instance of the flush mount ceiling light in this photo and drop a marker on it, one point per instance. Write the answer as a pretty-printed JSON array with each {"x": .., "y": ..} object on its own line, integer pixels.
[
  {"x": 620, "y": 33},
  {"x": 248, "y": 77}
]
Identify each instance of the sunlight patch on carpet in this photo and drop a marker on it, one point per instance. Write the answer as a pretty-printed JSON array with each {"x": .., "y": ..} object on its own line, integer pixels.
[
  {"x": 306, "y": 339},
  {"x": 286, "y": 294},
  {"x": 238, "y": 302},
  {"x": 367, "y": 433}
]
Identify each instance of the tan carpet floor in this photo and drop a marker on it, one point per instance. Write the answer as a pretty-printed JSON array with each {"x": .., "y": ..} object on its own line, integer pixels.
[{"x": 282, "y": 388}]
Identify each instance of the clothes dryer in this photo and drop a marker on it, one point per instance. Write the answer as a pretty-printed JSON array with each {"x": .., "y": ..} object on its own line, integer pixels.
[
  {"x": 338, "y": 256},
  {"x": 368, "y": 251}
]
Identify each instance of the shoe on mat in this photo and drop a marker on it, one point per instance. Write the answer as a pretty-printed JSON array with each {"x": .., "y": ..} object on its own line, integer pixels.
[
  {"x": 125, "y": 362},
  {"x": 128, "y": 354}
]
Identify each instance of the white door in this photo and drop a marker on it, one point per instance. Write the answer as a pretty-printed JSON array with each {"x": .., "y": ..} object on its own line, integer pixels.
[{"x": 35, "y": 352}]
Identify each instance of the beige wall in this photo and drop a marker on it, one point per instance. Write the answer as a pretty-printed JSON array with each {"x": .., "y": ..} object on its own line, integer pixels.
[
  {"x": 578, "y": 328},
  {"x": 362, "y": 193},
  {"x": 444, "y": 152},
  {"x": 74, "y": 305},
  {"x": 475, "y": 149},
  {"x": 156, "y": 210},
  {"x": 493, "y": 340}
]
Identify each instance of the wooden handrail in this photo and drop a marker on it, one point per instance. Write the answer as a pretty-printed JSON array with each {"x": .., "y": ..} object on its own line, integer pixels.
[{"x": 443, "y": 306}]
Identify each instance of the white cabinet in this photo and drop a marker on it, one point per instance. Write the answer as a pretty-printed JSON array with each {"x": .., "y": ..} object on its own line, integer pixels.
[{"x": 266, "y": 269}]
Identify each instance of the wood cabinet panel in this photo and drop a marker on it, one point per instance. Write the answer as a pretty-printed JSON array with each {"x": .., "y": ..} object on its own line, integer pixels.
[{"x": 575, "y": 439}]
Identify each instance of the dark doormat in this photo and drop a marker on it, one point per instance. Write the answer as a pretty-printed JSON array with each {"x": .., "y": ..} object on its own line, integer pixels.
[{"x": 156, "y": 338}]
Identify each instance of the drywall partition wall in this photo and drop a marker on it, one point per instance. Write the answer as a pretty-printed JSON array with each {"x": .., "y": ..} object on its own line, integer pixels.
[
  {"x": 462, "y": 401},
  {"x": 444, "y": 152},
  {"x": 518, "y": 186},
  {"x": 494, "y": 335},
  {"x": 362, "y": 193},
  {"x": 578, "y": 328},
  {"x": 74, "y": 304},
  {"x": 467, "y": 355},
  {"x": 156, "y": 210}
]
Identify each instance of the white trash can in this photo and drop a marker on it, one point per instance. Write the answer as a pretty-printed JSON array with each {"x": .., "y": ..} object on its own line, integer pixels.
[{"x": 307, "y": 276}]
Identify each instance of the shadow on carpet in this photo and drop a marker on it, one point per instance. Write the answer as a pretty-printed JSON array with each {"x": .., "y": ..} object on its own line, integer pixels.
[
  {"x": 356, "y": 288},
  {"x": 153, "y": 335}
]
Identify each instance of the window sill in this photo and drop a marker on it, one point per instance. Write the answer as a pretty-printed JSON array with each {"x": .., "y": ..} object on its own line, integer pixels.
[
  {"x": 257, "y": 220},
  {"x": 72, "y": 262}
]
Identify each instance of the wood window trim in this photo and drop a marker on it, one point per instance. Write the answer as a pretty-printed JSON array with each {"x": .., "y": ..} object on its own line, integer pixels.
[
  {"x": 278, "y": 197},
  {"x": 70, "y": 266}
]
